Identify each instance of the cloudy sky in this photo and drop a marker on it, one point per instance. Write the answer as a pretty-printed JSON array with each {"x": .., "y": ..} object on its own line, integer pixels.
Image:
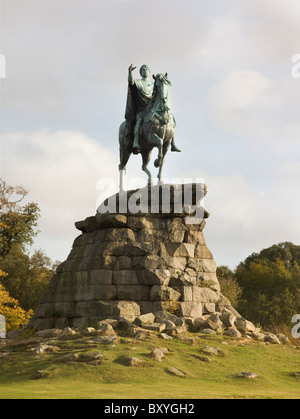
[{"x": 235, "y": 96}]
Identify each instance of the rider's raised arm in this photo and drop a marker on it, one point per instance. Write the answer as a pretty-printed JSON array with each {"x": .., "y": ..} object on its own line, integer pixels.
[{"x": 130, "y": 76}]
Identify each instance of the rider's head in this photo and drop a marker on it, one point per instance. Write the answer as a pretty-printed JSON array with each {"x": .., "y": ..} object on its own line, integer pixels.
[{"x": 144, "y": 70}]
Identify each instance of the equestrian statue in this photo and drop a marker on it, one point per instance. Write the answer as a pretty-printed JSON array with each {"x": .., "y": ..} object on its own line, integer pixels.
[{"x": 149, "y": 121}]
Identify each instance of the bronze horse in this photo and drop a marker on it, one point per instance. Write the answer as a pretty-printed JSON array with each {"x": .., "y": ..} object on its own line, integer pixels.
[{"x": 157, "y": 130}]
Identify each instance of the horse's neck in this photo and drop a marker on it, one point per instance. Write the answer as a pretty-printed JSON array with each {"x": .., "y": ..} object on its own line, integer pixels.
[{"x": 157, "y": 103}]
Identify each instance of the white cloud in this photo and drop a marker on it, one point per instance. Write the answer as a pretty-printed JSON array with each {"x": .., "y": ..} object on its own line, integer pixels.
[
  {"x": 276, "y": 29},
  {"x": 235, "y": 101},
  {"x": 245, "y": 218},
  {"x": 238, "y": 100},
  {"x": 60, "y": 170},
  {"x": 67, "y": 174}
]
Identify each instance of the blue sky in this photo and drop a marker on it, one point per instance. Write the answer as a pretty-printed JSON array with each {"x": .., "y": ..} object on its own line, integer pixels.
[{"x": 234, "y": 97}]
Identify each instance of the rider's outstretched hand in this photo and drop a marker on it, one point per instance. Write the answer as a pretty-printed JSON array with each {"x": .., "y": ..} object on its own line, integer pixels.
[{"x": 131, "y": 68}]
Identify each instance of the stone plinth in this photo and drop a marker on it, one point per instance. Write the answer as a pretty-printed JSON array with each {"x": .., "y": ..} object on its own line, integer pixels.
[{"x": 125, "y": 265}]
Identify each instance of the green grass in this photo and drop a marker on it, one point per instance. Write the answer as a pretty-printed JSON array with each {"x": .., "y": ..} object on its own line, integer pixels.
[{"x": 113, "y": 380}]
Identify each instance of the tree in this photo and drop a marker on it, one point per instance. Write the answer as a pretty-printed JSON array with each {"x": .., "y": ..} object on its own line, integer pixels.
[
  {"x": 270, "y": 281},
  {"x": 229, "y": 285},
  {"x": 23, "y": 278},
  {"x": 17, "y": 222},
  {"x": 286, "y": 252},
  {"x": 14, "y": 315},
  {"x": 27, "y": 276}
]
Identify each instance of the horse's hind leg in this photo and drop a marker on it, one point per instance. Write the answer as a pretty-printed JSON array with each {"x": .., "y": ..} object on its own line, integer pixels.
[
  {"x": 124, "y": 157},
  {"x": 164, "y": 152},
  {"x": 146, "y": 154}
]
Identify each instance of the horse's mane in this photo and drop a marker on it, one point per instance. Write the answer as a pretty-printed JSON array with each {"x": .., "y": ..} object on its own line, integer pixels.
[{"x": 155, "y": 89}]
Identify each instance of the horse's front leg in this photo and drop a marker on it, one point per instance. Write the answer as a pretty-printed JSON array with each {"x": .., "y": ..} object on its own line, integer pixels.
[
  {"x": 155, "y": 141},
  {"x": 146, "y": 154},
  {"x": 165, "y": 149}
]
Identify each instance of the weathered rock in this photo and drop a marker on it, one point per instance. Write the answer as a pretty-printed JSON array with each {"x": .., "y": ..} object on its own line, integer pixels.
[
  {"x": 271, "y": 338},
  {"x": 43, "y": 349},
  {"x": 162, "y": 316},
  {"x": 106, "y": 330},
  {"x": 244, "y": 325},
  {"x": 186, "y": 338},
  {"x": 23, "y": 342},
  {"x": 156, "y": 327},
  {"x": 72, "y": 357},
  {"x": 145, "y": 318},
  {"x": 89, "y": 331},
  {"x": 169, "y": 325},
  {"x": 190, "y": 309},
  {"x": 176, "y": 372},
  {"x": 106, "y": 340},
  {"x": 208, "y": 331},
  {"x": 227, "y": 317},
  {"x": 49, "y": 333},
  {"x": 156, "y": 354},
  {"x": 258, "y": 336},
  {"x": 215, "y": 323},
  {"x": 90, "y": 356},
  {"x": 135, "y": 265},
  {"x": 133, "y": 362},
  {"x": 139, "y": 332},
  {"x": 112, "y": 322},
  {"x": 5, "y": 354},
  {"x": 232, "y": 332},
  {"x": 283, "y": 338},
  {"x": 200, "y": 322},
  {"x": 211, "y": 350},
  {"x": 14, "y": 334},
  {"x": 40, "y": 374},
  {"x": 165, "y": 336},
  {"x": 247, "y": 374},
  {"x": 163, "y": 293},
  {"x": 201, "y": 358},
  {"x": 68, "y": 333},
  {"x": 179, "y": 329}
]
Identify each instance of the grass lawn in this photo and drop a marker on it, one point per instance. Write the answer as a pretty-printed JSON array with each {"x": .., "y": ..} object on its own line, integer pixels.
[{"x": 111, "y": 379}]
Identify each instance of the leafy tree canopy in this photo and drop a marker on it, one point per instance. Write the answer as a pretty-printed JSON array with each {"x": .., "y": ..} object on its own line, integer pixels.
[
  {"x": 18, "y": 220},
  {"x": 270, "y": 281},
  {"x": 287, "y": 252}
]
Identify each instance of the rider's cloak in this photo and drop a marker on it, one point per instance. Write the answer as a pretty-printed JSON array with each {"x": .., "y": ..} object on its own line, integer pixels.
[{"x": 138, "y": 95}]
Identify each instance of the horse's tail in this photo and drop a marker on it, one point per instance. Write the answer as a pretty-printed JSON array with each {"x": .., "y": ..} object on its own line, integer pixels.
[
  {"x": 123, "y": 147},
  {"x": 122, "y": 132}
]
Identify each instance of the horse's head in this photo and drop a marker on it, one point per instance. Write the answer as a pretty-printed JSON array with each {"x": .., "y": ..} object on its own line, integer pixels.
[{"x": 162, "y": 85}]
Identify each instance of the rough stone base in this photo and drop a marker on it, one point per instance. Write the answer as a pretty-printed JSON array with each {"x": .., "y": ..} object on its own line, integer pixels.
[{"x": 125, "y": 265}]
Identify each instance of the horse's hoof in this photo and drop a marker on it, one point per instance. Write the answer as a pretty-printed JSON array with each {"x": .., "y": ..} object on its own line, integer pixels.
[
  {"x": 156, "y": 162},
  {"x": 136, "y": 150},
  {"x": 174, "y": 148}
]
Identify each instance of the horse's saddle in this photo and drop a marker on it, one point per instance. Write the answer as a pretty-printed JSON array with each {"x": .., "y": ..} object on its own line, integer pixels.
[{"x": 164, "y": 119}]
